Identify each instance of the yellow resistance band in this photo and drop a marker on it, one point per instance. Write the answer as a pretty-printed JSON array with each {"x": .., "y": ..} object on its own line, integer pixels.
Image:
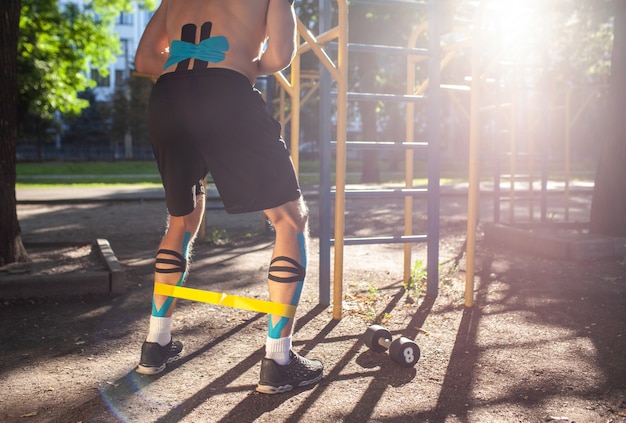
[{"x": 225, "y": 300}]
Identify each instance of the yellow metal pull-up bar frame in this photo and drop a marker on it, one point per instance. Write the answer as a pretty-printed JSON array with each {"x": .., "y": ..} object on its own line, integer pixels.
[{"x": 339, "y": 72}]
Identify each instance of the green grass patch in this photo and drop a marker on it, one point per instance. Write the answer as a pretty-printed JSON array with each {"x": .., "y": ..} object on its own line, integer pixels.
[
  {"x": 88, "y": 168},
  {"x": 58, "y": 184},
  {"x": 54, "y": 174},
  {"x": 145, "y": 173}
]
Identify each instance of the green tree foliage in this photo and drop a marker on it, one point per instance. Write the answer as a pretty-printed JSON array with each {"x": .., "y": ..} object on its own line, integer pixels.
[
  {"x": 139, "y": 92},
  {"x": 582, "y": 38},
  {"x": 129, "y": 112},
  {"x": 50, "y": 49},
  {"x": 389, "y": 25},
  {"x": 119, "y": 116},
  {"x": 90, "y": 125},
  {"x": 58, "y": 46}
]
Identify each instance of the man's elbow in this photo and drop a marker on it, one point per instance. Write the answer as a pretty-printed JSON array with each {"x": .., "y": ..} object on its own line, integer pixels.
[
  {"x": 284, "y": 59},
  {"x": 145, "y": 66},
  {"x": 278, "y": 59},
  {"x": 141, "y": 64}
]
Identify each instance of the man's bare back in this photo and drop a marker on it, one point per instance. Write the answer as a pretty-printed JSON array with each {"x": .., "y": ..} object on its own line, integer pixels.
[{"x": 245, "y": 25}]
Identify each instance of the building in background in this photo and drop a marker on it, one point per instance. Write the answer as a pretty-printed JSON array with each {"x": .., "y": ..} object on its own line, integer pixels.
[{"x": 129, "y": 26}]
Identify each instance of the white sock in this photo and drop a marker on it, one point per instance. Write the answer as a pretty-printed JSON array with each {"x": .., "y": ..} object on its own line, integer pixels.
[
  {"x": 278, "y": 349},
  {"x": 160, "y": 330}
]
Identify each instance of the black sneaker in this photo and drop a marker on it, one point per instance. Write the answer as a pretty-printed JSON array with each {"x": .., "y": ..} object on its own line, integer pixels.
[
  {"x": 299, "y": 371},
  {"x": 154, "y": 357}
]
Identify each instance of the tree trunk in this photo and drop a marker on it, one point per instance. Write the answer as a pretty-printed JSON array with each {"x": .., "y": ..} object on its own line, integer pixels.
[
  {"x": 11, "y": 247},
  {"x": 608, "y": 208}
]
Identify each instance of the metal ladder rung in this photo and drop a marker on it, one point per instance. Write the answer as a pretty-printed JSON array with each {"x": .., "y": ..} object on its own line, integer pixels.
[
  {"x": 399, "y": 98},
  {"x": 375, "y": 145},
  {"x": 520, "y": 154},
  {"x": 455, "y": 87},
  {"x": 388, "y": 2},
  {"x": 516, "y": 176},
  {"x": 385, "y": 193},
  {"x": 385, "y": 97},
  {"x": 404, "y": 239},
  {"x": 378, "y": 48}
]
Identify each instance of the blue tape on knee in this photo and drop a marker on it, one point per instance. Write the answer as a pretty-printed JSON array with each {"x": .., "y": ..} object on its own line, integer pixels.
[
  {"x": 165, "y": 307},
  {"x": 274, "y": 331}
]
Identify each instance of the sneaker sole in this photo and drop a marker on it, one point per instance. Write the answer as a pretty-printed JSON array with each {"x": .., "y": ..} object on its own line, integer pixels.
[
  {"x": 268, "y": 389},
  {"x": 153, "y": 370}
]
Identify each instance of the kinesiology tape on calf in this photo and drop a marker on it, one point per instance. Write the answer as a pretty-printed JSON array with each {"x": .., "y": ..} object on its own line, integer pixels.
[
  {"x": 179, "y": 263},
  {"x": 174, "y": 263},
  {"x": 296, "y": 269},
  {"x": 297, "y": 273}
]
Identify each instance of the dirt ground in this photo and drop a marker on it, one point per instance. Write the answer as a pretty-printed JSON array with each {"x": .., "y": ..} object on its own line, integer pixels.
[{"x": 545, "y": 340}]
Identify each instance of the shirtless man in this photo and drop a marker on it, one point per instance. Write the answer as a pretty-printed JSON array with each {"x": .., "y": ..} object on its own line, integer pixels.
[{"x": 205, "y": 116}]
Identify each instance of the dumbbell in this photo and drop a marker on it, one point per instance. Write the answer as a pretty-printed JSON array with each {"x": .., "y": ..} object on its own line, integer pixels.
[{"x": 403, "y": 351}]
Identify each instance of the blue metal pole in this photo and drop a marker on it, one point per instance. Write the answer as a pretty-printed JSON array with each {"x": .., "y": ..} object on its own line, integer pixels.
[{"x": 434, "y": 107}]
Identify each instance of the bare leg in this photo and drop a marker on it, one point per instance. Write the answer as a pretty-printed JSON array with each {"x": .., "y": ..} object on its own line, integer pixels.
[
  {"x": 283, "y": 369},
  {"x": 286, "y": 275},
  {"x": 179, "y": 237},
  {"x": 171, "y": 268}
]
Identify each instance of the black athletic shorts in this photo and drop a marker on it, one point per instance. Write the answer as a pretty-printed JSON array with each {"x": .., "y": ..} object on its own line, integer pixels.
[{"x": 213, "y": 120}]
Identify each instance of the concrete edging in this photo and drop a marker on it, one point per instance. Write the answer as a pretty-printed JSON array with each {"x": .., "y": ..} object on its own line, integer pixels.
[
  {"x": 112, "y": 280},
  {"x": 117, "y": 275}
]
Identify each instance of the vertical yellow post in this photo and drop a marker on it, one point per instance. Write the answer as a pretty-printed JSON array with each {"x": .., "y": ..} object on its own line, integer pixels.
[
  {"x": 513, "y": 152},
  {"x": 473, "y": 193},
  {"x": 567, "y": 154},
  {"x": 527, "y": 120},
  {"x": 340, "y": 177},
  {"x": 295, "y": 109}
]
